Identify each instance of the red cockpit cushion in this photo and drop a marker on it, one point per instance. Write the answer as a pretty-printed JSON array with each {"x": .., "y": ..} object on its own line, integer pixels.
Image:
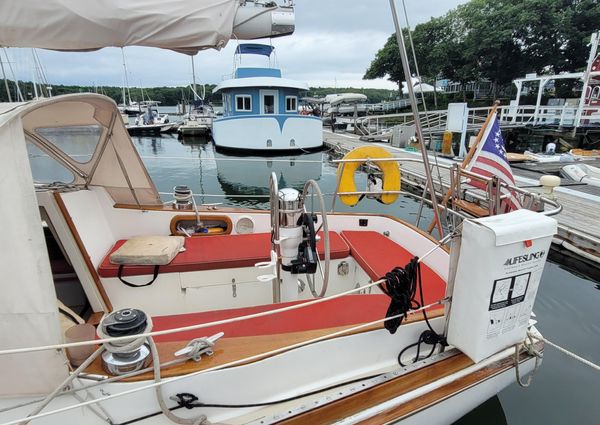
[
  {"x": 378, "y": 254},
  {"x": 344, "y": 311},
  {"x": 218, "y": 252}
]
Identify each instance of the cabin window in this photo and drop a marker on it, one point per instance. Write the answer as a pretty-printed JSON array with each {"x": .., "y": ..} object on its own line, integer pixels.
[
  {"x": 291, "y": 104},
  {"x": 78, "y": 142},
  {"x": 243, "y": 103},
  {"x": 46, "y": 169}
]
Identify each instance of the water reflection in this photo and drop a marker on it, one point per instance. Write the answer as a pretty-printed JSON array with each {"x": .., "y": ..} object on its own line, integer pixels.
[{"x": 250, "y": 175}]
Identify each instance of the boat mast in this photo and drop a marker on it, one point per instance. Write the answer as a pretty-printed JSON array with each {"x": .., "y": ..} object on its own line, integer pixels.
[
  {"x": 125, "y": 81},
  {"x": 33, "y": 74},
  {"x": 5, "y": 81},
  {"x": 415, "y": 111},
  {"x": 194, "y": 80},
  {"x": 12, "y": 72}
]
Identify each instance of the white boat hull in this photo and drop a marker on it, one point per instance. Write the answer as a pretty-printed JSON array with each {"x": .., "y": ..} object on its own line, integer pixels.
[
  {"x": 279, "y": 377},
  {"x": 268, "y": 133},
  {"x": 582, "y": 173}
]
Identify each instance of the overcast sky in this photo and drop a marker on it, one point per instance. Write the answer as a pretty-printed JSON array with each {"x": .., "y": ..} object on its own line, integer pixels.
[{"x": 334, "y": 43}]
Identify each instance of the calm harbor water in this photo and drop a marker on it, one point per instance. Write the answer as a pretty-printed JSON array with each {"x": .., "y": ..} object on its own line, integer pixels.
[{"x": 567, "y": 307}]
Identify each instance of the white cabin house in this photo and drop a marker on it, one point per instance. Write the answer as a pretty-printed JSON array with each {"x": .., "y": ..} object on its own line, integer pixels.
[{"x": 260, "y": 110}]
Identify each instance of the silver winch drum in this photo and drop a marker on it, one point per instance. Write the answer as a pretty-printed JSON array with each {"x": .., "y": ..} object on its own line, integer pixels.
[
  {"x": 125, "y": 322},
  {"x": 183, "y": 197},
  {"x": 291, "y": 207}
]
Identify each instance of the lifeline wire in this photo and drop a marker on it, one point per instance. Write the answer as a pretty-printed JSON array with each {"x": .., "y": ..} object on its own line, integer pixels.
[
  {"x": 188, "y": 328},
  {"x": 223, "y": 366}
]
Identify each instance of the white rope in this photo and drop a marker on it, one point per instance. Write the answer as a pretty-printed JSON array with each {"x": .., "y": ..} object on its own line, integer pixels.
[
  {"x": 565, "y": 351},
  {"x": 226, "y": 365},
  {"x": 529, "y": 346},
  {"x": 190, "y": 327},
  {"x": 124, "y": 346}
]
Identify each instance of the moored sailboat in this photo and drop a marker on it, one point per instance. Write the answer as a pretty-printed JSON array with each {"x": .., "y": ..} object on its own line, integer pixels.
[{"x": 296, "y": 314}]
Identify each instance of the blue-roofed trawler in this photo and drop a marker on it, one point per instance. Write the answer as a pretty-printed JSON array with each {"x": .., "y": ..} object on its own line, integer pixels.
[{"x": 260, "y": 109}]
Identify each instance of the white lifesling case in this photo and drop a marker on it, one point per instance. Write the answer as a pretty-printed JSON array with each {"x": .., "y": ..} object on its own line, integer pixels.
[{"x": 497, "y": 273}]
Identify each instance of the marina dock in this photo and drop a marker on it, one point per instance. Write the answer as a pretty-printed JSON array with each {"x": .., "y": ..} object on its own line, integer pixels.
[{"x": 578, "y": 229}]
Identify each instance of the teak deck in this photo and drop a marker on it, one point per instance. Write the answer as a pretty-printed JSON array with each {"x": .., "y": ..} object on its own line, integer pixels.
[{"x": 228, "y": 350}]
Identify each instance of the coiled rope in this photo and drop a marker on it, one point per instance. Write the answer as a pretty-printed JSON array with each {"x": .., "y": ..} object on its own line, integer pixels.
[
  {"x": 124, "y": 346},
  {"x": 401, "y": 286},
  {"x": 529, "y": 346}
]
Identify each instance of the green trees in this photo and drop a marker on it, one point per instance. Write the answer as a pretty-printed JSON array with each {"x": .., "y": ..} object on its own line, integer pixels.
[
  {"x": 387, "y": 63},
  {"x": 497, "y": 40}
]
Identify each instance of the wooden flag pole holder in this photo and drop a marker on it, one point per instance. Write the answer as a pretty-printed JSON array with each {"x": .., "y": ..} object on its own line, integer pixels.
[{"x": 469, "y": 156}]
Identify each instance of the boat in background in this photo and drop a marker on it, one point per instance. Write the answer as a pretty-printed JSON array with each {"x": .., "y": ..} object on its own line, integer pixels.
[
  {"x": 134, "y": 108},
  {"x": 550, "y": 158},
  {"x": 582, "y": 173},
  {"x": 198, "y": 120},
  {"x": 150, "y": 122},
  {"x": 260, "y": 110}
]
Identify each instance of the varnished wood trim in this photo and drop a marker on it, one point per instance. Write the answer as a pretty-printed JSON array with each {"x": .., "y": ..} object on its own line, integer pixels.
[
  {"x": 95, "y": 318},
  {"x": 84, "y": 254},
  {"x": 453, "y": 388},
  {"x": 472, "y": 208},
  {"x": 232, "y": 349},
  {"x": 176, "y": 219},
  {"x": 363, "y": 400}
]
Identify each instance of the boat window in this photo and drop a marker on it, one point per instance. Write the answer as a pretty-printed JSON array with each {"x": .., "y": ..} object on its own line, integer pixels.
[
  {"x": 46, "y": 169},
  {"x": 269, "y": 104},
  {"x": 291, "y": 104},
  {"x": 78, "y": 141},
  {"x": 243, "y": 103}
]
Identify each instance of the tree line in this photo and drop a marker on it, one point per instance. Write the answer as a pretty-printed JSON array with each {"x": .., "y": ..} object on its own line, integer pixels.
[
  {"x": 496, "y": 40},
  {"x": 170, "y": 96}
]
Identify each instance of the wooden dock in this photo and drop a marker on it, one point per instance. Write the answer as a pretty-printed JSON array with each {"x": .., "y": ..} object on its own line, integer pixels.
[{"x": 579, "y": 221}]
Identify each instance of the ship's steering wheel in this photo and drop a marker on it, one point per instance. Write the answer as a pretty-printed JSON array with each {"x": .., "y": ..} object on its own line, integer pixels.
[{"x": 312, "y": 190}]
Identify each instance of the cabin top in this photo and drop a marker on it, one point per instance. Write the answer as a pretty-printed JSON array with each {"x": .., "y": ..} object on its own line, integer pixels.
[{"x": 257, "y": 72}]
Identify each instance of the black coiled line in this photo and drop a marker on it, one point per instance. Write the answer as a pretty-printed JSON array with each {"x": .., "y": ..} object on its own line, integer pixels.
[{"x": 401, "y": 286}]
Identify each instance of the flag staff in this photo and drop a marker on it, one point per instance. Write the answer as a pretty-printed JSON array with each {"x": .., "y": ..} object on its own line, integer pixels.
[{"x": 469, "y": 156}]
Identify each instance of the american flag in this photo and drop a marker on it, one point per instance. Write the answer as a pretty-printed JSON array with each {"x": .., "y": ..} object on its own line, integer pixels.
[{"x": 490, "y": 160}]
